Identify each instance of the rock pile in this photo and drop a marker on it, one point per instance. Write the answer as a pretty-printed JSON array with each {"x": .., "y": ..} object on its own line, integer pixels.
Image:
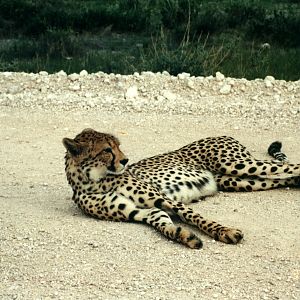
[{"x": 155, "y": 93}]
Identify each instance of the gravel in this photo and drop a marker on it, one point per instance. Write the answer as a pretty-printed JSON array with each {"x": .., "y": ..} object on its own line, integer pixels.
[
  {"x": 154, "y": 93},
  {"x": 50, "y": 250}
]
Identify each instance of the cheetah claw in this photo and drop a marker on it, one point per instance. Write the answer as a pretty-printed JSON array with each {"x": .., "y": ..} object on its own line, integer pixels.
[{"x": 229, "y": 235}]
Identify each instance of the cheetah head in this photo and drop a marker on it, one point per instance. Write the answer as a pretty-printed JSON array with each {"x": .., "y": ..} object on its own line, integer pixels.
[{"x": 95, "y": 154}]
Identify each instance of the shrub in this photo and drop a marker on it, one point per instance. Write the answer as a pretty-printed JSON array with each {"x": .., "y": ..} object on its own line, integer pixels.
[{"x": 282, "y": 28}]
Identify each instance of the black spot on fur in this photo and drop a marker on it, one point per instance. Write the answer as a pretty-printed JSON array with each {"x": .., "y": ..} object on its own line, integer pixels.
[
  {"x": 177, "y": 234},
  {"x": 189, "y": 185},
  {"x": 274, "y": 169},
  {"x": 158, "y": 203},
  {"x": 132, "y": 215},
  {"x": 252, "y": 170},
  {"x": 240, "y": 166}
]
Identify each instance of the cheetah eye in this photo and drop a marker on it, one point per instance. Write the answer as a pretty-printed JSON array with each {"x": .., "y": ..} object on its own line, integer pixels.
[{"x": 107, "y": 150}]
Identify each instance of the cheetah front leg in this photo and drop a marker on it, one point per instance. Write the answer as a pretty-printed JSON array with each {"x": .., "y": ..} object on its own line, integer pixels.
[
  {"x": 156, "y": 218},
  {"x": 116, "y": 207},
  {"x": 211, "y": 228},
  {"x": 161, "y": 221},
  {"x": 145, "y": 196}
]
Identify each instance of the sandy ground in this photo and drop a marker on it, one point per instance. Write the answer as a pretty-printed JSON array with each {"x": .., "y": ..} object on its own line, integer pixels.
[{"x": 50, "y": 250}]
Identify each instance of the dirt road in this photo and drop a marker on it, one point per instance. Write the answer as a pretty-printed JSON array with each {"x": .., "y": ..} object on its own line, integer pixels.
[{"x": 50, "y": 250}]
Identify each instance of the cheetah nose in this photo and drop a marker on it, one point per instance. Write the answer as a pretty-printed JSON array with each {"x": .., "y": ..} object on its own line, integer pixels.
[{"x": 124, "y": 161}]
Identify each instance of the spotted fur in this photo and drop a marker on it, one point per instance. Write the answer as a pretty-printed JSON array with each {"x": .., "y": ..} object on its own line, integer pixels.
[
  {"x": 153, "y": 189},
  {"x": 215, "y": 163},
  {"x": 103, "y": 188}
]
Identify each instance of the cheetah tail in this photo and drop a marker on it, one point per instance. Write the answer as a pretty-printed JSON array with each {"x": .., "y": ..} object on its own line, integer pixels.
[{"x": 274, "y": 150}]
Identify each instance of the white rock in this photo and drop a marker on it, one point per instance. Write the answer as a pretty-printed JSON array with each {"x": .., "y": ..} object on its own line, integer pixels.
[
  {"x": 91, "y": 103},
  {"x": 51, "y": 97},
  {"x": 183, "y": 75},
  {"x": 265, "y": 46},
  {"x": 61, "y": 73},
  {"x": 148, "y": 73},
  {"x": 43, "y": 73},
  {"x": 225, "y": 89},
  {"x": 14, "y": 89},
  {"x": 75, "y": 87},
  {"x": 83, "y": 73},
  {"x": 277, "y": 97},
  {"x": 268, "y": 84},
  {"x": 168, "y": 95},
  {"x": 132, "y": 92},
  {"x": 269, "y": 81},
  {"x": 220, "y": 76},
  {"x": 100, "y": 74},
  {"x": 89, "y": 95},
  {"x": 166, "y": 73},
  {"x": 269, "y": 78},
  {"x": 74, "y": 76},
  {"x": 44, "y": 89},
  {"x": 190, "y": 84},
  {"x": 120, "y": 85},
  {"x": 160, "y": 98},
  {"x": 254, "y": 98}
]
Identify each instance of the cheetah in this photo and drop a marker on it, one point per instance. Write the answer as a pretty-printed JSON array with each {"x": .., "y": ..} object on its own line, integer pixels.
[{"x": 155, "y": 189}]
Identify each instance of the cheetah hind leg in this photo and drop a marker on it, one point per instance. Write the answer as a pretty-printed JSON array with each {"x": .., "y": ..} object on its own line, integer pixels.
[
  {"x": 250, "y": 184},
  {"x": 276, "y": 169},
  {"x": 258, "y": 168}
]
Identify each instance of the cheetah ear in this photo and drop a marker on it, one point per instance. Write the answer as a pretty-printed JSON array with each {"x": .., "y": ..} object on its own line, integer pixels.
[{"x": 73, "y": 147}]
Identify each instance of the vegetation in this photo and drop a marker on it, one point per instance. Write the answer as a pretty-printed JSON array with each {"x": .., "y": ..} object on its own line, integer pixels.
[{"x": 239, "y": 38}]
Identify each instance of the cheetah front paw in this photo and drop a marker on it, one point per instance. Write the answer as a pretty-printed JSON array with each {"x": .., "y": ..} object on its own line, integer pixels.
[{"x": 229, "y": 235}]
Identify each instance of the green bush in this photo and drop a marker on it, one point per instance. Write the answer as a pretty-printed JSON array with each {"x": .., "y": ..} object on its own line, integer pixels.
[
  {"x": 240, "y": 13},
  {"x": 281, "y": 28},
  {"x": 54, "y": 34},
  {"x": 52, "y": 44},
  {"x": 255, "y": 19}
]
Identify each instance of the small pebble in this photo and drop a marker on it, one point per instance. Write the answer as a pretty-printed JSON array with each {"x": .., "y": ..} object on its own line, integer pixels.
[
  {"x": 131, "y": 92},
  {"x": 225, "y": 89},
  {"x": 83, "y": 73},
  {"x": 220, "y": 76}
]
